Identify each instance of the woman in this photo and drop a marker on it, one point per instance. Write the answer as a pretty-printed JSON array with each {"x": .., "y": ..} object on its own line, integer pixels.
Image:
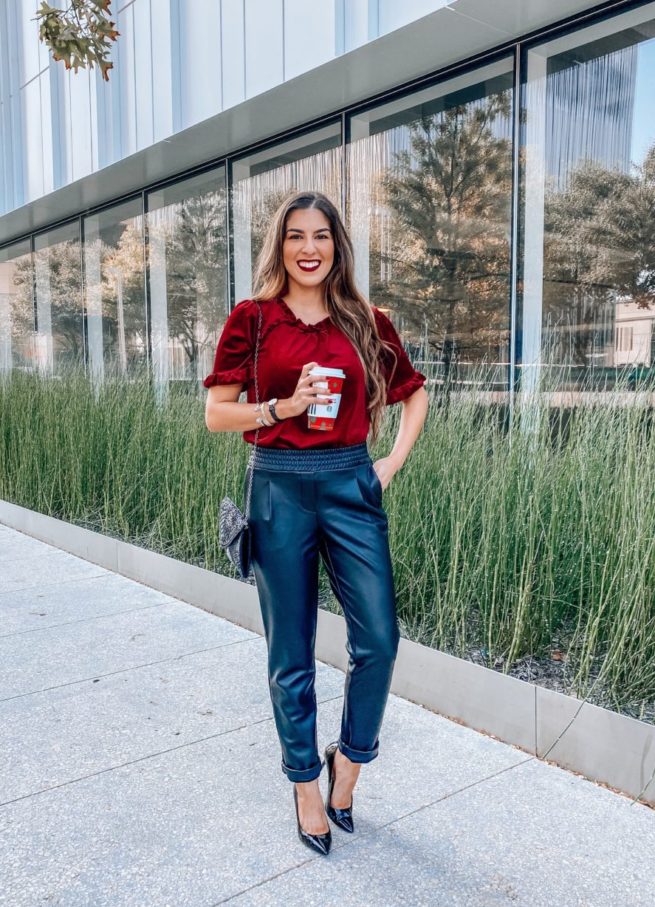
[{"x": 317, "y": 492}]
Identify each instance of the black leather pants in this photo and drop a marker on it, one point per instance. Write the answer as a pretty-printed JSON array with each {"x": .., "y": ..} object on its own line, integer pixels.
[{"x": 328, "y": 502}]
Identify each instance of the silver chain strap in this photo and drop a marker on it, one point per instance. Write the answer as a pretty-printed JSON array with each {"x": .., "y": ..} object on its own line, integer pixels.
[{"x": 251, "y": 462}]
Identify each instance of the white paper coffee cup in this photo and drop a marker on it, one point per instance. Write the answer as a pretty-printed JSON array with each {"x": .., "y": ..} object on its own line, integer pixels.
[{"x": 321, "y": 416}]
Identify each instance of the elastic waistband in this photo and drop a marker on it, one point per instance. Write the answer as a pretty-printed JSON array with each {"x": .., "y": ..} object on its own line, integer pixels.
[{"x": 310, "y": 459}]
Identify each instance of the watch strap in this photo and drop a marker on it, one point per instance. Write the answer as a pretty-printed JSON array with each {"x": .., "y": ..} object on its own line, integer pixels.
[{"x": 271, "y": 409}]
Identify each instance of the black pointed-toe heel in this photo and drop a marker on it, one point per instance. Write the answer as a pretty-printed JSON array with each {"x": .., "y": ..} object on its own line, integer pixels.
[
  {"x": 341, "y": 817},
  {"x": 322, "y": 842}
]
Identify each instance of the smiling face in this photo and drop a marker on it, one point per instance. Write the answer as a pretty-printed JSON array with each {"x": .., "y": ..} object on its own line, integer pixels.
[{"x": 308, "y": 247}]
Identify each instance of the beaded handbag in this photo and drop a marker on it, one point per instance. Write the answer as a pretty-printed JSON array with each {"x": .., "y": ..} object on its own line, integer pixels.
[{"x": 234, "y": 534}]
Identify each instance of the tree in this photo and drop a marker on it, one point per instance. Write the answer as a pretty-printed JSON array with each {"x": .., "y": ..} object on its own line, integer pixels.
[
  {"x": 80, "y": 34},
  {"x": 59, "y": 267},
  {"x": 623, "y": 234},
  {"x": 195, "y": 244},
  {"x": 448, "y": 198},
  {"x": 599, "y": 244},
  {"x": 122, "y": 287}
]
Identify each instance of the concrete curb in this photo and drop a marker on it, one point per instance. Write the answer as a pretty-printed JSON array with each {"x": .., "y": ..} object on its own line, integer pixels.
[{"x": 604, "y": 746}]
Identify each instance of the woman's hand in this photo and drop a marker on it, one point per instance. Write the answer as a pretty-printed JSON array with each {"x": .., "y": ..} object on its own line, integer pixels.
[
  {"x": 386, "y": 469},
  {"x": 415, "y": 409},
  {"x": 305, "y": 393}
]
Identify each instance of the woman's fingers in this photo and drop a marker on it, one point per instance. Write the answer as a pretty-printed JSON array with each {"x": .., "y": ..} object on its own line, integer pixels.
[{"x": 307, "y": 386}]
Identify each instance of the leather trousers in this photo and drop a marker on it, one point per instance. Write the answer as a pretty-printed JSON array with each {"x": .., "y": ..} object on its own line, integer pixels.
[{"x": 323, "y": 503}]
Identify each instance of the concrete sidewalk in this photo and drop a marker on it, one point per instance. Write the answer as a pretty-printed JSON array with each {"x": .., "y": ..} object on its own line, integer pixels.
[{"x": 139, "y": 765}]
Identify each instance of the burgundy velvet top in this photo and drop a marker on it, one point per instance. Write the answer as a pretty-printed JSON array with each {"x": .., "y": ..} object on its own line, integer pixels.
[{"x": 286, "y": 343}]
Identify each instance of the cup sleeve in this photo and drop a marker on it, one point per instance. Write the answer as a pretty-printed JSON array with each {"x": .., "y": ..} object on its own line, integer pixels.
[
  {"x": 233, "y": 360},
  {"x": 404, "y": 379}
]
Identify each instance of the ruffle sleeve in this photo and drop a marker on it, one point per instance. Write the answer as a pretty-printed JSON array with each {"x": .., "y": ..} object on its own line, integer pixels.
[
  {"x": 405, "y": 379},
  {"x": 233, "y": 360}
]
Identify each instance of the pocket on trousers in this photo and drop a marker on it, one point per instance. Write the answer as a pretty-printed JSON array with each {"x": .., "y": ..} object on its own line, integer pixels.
[
  {"x": 260, "y": 501},
  {"x": 376, "y": 482},
  {"x": 370, "y": 485}
]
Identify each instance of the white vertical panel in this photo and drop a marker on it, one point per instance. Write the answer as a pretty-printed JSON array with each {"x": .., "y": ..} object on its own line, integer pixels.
[
  {"x": 143, "y": 73},
  {"x": 44, "y": 52},
  {"x": 309, "y": 35},
  {"x": 162, "y": 84},
  {"x": 93, "y": 116},
  {"x": 356, "y": 23},
  {"x": 63, "y": 121},
  {"x": 127, "y": 94},
  {"x": 392, "y": 14},
  {"x": 200, "y": 42},
  {"x": 30, "y": 100},
  {"x": 233, "y": 50},
  {"x": 54, "y": 121},
  {"x": 47, "y": 138},
  {"x": 29, "y": 40},
  {"x": 15, "y": 115},
  {"x": 264, "y": 63},
  {"x": 101, "y": 116},
  {"x": 80, "y": 113}
]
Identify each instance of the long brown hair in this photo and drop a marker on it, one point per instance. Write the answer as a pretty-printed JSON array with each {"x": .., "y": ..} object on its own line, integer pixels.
[{"x": 348, "y": 308}]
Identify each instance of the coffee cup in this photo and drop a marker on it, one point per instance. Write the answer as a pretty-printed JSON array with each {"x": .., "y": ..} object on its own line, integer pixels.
[{"x": 321, "y": 416}]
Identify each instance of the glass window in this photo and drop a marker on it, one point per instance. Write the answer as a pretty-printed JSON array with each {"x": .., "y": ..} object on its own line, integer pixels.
[
  {"x": 589, "y": 205},
  {"x": 58, "y": 284},
  {"x": 262, "y": 180},
  {"x": 18, "y": 347},
  {"x": 114, "y": 290},
  {"x": 188, "y": 274},
  {"x": 429, "y": 210}
]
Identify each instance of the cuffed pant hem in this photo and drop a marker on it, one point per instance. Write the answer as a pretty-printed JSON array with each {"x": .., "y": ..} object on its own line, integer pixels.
[
  {"x": 358, "y": 755},
  {"x": 303, "y": 774}
]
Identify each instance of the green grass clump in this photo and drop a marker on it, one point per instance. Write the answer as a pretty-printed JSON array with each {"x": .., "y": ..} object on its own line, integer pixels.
[{"x": 512, "y": 533}]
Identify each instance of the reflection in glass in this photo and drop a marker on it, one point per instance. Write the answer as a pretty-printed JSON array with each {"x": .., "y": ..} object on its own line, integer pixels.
[
  {"x": 18, "y": 348},
  {"x": 589, "y": 207},
  {"x": 187, "y": 257},
  {"x": 429, "y": 208},
  {"x": 114, "y": 290},
  {"x": 263, "y": 180},
  {"x": 58, "y": 284}
]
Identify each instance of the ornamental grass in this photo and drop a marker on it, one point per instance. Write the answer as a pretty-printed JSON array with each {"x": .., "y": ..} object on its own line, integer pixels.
[{"x": 515, "y": 534}]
